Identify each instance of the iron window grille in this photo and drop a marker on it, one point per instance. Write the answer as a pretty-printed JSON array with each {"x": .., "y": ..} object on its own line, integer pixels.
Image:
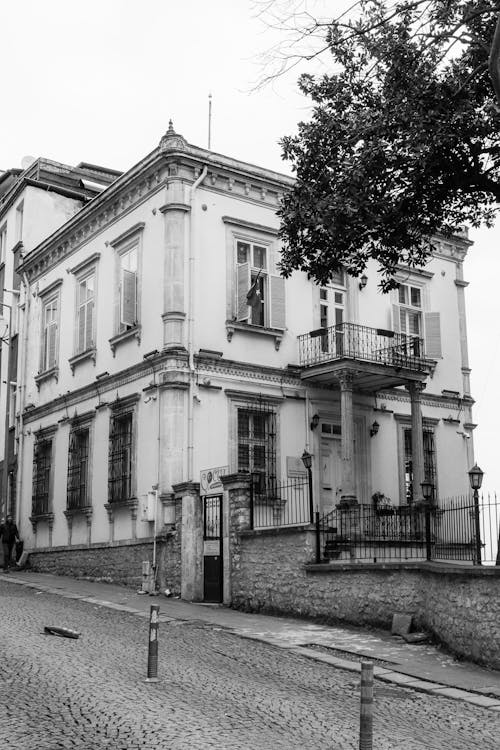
[
  {"x": 78, "y": 464},
  {"x": 120, "y": 458},
  {"x": 257, "y": 444},
  {"x": 42, "y": 464},
  {"x": 430, "y": 472}
]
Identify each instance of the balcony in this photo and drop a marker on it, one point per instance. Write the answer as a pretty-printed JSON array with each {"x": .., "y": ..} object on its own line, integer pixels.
[{"x": 378, "y": 358}]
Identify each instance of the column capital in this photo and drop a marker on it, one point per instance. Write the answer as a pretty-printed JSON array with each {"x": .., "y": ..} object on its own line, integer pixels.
[
  {"x": 415, "y": 388},
  {"x": 346, "y": 379}
]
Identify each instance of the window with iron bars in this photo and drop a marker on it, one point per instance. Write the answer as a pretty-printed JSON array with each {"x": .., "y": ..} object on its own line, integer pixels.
[
  {"x": 42, "y": 463},
  {"x": 78, "y": 465},
  {"x": 257, "y": 444},
  {"x": 430, "y": 473},
  {"x": 120, "y": 458}
]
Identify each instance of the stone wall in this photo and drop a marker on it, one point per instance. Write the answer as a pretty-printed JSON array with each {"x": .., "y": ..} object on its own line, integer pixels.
[
  {"x": 119, "y": 562},
  {"x": 459, "y": 605}
]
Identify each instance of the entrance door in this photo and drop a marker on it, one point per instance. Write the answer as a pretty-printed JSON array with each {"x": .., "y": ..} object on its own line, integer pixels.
[
  {"x": 212, "y": 548},
  {"x": 330, "y": 474}
]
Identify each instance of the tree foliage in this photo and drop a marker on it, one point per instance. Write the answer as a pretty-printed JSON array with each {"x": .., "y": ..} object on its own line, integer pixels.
[{"x": 403, "y": 142}]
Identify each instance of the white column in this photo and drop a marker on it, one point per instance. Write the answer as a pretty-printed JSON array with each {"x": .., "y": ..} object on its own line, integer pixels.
[
  {"x": 348, "y": 494},
  {"x": 417, "y": 438}
]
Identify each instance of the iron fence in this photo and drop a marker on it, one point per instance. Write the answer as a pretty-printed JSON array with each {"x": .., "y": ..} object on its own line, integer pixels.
[
  {"x": 284, "y": 504},
  {"x": 352, "y": 341},
  {"x": 460, "y": 530}
]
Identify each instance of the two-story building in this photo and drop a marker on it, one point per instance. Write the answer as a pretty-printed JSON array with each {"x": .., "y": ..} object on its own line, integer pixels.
[{"x": 163, "y": 349}]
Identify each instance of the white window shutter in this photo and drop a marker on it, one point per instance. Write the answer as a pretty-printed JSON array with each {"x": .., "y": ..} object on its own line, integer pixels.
[
  {"x": 89, "y": 324},
  {"x": 396, "y": 321},
  {"x": 433, "y": 334},
  {"x": 242, "y": 289},
  {"x": 52, "y": 344},
  {"x": 81, "y": 328},
  {"x": 128, "y": 300},
  {"x": 277, "y": 318}
]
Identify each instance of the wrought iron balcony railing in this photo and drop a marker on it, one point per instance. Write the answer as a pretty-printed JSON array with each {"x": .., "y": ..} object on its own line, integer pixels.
[{"x": 352, "y": 341}]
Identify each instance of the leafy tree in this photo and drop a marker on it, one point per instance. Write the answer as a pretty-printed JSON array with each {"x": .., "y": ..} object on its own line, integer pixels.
[{"x": 403, "y": 142}]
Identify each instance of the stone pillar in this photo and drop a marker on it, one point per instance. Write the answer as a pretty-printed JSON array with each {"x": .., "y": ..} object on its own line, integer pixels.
[
  {"x": 417, "y": 438},
  {"x": 69, "y": 521},
  {"x": 191, "y": 541},
  {"x": 348, "y": 494},
  {"x": 111, "y": 521},
  {"x": 88, "y": 518},
  {"x": 236, "y": 518}
]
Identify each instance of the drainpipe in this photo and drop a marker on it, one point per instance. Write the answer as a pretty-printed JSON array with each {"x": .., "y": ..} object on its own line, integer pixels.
[
  {"x": 21, "y": 390},
  {"x": 190, "y": 337}
]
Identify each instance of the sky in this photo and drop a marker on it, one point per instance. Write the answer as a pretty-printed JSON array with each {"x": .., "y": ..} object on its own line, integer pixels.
[{"x": 98, "y": 82}]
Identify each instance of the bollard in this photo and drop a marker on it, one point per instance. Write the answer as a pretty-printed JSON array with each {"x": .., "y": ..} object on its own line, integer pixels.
[
  {"x": 366, "y": 707},
  {"x": 153, "y": 644}
]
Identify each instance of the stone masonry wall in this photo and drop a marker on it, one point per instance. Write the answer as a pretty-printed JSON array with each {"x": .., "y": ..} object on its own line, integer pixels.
[
  {"x": 119, "y": 563},
  {"x": 460, "y": 606}
]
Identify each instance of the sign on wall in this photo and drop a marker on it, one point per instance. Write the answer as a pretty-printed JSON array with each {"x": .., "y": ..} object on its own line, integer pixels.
[{"x": 210, "y": 482}]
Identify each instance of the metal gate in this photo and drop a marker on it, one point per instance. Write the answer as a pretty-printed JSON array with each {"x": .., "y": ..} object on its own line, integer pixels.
[{"x": 212, "y": 549}]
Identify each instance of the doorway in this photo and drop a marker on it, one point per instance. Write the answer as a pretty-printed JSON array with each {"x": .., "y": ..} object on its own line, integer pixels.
[
  {"x": 330, "y": 467},
  {"x": 212, "y": 549}
]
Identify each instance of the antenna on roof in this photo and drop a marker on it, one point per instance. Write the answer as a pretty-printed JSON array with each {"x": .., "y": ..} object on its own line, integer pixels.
[{"x": 209, "y": 120}]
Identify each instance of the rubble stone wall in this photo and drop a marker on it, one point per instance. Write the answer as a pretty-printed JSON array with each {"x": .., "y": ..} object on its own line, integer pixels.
[{"x": 459, "y": 605}]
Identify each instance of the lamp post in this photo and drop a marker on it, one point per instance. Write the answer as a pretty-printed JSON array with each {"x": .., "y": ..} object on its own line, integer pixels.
[
  {"x": 307, "y": 461},
  {"x": 476, "y": 479},
  {"x": 427, "y": 492}
]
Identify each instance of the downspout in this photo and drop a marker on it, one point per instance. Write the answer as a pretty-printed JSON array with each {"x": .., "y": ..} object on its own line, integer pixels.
[
  {"x": 190, "y": 332},
  {"x": 21, "y": 389}
]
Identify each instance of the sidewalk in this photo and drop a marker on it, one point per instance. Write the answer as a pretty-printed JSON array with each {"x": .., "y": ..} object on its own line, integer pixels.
[{"x": 419, "y": 666}]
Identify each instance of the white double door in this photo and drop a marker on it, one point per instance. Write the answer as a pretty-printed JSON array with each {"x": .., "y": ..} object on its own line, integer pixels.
[{"x": 330, "y": 477}]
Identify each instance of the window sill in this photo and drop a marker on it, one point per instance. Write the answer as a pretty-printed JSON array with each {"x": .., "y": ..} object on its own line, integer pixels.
[
  {"x": 120, "y": 338},
  {"x": 42, "y": 377},
  {"x": 235, "y": 325},
  {"x": 82, "y": 357},
  {"x": 84, "y": 510}
]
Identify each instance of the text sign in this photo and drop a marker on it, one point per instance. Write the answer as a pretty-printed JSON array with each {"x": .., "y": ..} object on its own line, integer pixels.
[{"x": 210, "y": 482}]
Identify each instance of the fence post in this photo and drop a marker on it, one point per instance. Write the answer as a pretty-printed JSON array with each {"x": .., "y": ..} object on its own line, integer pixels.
[
  {"x": 478, "y": 528},
  {"x": 310, "y": 483},
  {"x": 366, "y": 707},
  {"x": 428, "y": 544},
  {"x": 251, "y": 500},
  {"x": 318, "y": 539}
]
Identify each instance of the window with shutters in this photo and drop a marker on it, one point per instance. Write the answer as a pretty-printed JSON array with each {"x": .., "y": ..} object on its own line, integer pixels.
[
  {"x": 260, "y": 293},
  {"x": 42, "y": 465},
  {"x": 120, "y": 458},
  {"x": 50, "y": 333},
  {"x": 85, "y": 315},
  {"x": 77, "y": 493},
  {"x": 411, "y": 317},
  {"x": 127, "y": 289}
]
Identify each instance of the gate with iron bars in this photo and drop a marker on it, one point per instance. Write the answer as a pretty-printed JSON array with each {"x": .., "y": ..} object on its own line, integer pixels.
[{"x": 212, "y": 549}]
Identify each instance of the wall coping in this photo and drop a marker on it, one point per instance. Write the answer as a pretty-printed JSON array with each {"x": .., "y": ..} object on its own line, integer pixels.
[
  {"x": 278, "y": 531},
  {"x": 477, "y": 571},
  {"x": 98, "y": 545}
]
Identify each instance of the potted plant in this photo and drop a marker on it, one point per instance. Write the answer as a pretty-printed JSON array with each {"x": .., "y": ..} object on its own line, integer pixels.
[{"x": 382, "y": 504}]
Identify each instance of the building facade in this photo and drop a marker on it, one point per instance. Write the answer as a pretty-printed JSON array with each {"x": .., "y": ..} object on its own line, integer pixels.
[{"x": 163, "y": 350}]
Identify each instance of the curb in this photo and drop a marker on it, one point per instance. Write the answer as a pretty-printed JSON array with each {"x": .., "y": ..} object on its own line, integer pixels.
[{"x": 394, "y": 676}]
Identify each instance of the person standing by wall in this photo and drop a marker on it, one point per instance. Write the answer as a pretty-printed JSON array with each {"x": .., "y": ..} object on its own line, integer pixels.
[{"x": 9, "y": 535}]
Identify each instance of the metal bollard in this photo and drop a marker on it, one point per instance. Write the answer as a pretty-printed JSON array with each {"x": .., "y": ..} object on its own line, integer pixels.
[
  {"x": 366, "y": 707},
  {"x": 153, "y": 644}
]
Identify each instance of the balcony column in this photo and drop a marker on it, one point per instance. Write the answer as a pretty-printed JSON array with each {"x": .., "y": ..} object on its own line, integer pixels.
[
  {"x": 417, "y": 438},
  {"x": 348, "y": 494}
]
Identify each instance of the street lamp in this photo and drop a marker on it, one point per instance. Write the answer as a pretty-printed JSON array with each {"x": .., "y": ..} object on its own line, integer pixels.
[
  {"x": 427, "y": 490},
  {"x": 476, "y": 479},
  {"x": 307, "y": 461}
]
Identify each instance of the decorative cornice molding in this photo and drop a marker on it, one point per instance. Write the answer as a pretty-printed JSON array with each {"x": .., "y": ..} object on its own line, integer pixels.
[
  {"x": 243, "y": 224},
  {"x": 127, "y": 234},
  {"x": 90, "y": 261},
  {"x": 175, "y": 207},
  {"x": 50, "y": 288}
]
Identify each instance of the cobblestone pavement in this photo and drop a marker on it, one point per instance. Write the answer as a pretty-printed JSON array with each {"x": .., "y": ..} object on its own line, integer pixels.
[{"x": 216, "y": 690}]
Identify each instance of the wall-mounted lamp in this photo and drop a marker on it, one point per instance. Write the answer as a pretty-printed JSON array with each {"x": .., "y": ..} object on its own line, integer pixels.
[
  {"x": 374, "y": 429},
  {"x": 314, "y": 421},
  {"x": 363, "y": 281}
]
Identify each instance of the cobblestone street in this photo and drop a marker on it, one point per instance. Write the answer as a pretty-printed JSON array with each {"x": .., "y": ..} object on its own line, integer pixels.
[{"x": 216, "y": 690}]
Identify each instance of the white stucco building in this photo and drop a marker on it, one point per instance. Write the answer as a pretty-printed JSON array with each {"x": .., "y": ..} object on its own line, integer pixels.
[{"x": 147, "y": 364}]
